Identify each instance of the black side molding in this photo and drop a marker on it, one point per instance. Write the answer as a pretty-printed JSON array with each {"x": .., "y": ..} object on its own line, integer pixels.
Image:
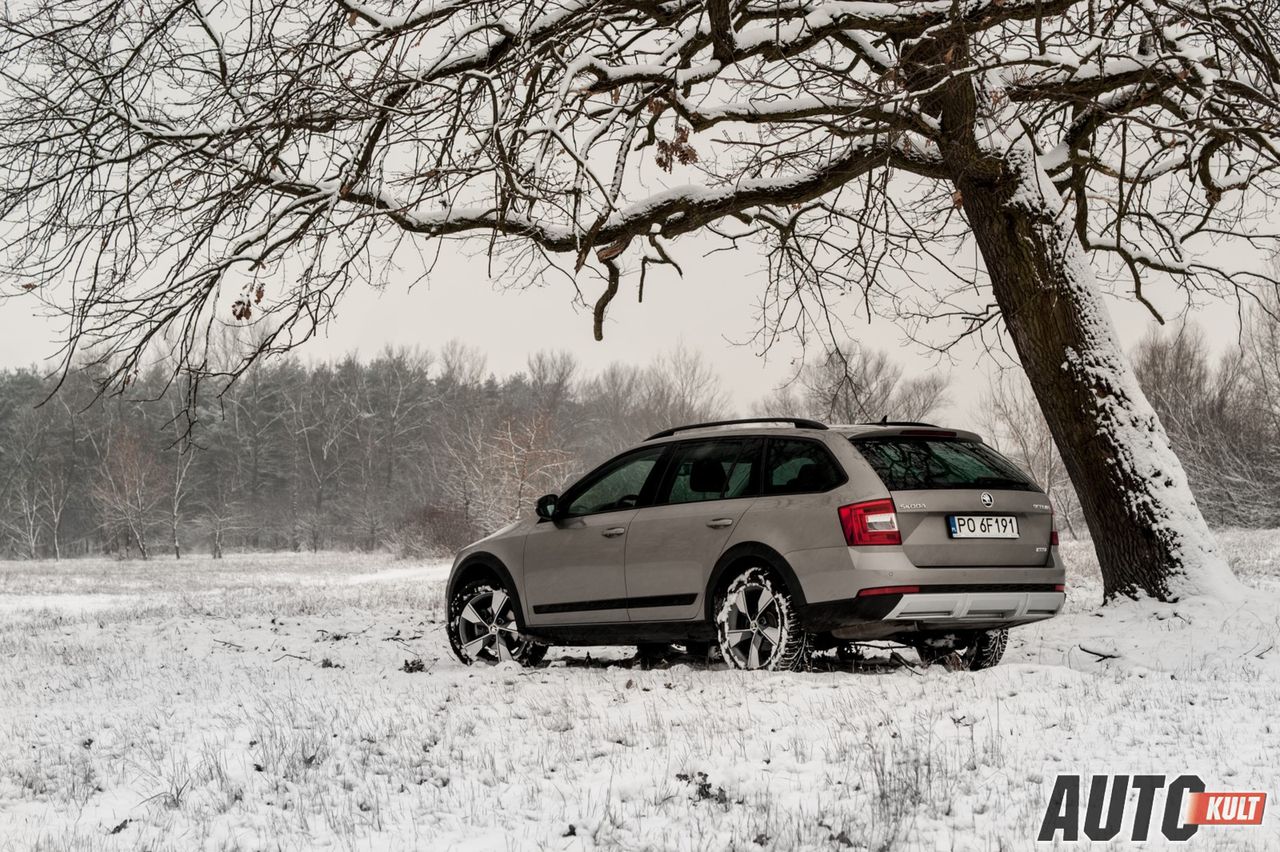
[{"x": 616, "y": 603}]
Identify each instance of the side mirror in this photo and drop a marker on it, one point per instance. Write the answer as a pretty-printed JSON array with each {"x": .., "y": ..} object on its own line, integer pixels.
[{"x": 546, "y": 506}]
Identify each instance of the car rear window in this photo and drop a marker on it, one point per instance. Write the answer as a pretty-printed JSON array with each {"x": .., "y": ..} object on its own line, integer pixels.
[
  {"x": 799, "y": 467},
  {"x": 921, "y": 464}
]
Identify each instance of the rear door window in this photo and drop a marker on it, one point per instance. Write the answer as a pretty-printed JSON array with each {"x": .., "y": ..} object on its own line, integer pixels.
[
  {"x": 922, "y": 464},
  {"x": 799, "y": 467},
  {"x": 719, "y": 469}
]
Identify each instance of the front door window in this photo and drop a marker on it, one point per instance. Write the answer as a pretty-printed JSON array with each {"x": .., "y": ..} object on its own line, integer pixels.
[{"x": 615, "y": 486}]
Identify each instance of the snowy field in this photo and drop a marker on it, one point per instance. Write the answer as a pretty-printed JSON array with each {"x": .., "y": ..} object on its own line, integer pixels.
[{"x": 262, "y": 702}]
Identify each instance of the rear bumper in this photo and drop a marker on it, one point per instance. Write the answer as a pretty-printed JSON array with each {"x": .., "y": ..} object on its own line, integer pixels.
[
  {"x": 934, "y": 608},
  {"x": 961, "y": 598}
]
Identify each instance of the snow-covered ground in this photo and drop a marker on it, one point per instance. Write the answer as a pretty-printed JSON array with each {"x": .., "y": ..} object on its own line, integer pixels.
[{"x": 261, "y": 702}]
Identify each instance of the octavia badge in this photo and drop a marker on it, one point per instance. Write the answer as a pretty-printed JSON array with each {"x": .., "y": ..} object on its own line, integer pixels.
[{"x": 987, "y": 500}]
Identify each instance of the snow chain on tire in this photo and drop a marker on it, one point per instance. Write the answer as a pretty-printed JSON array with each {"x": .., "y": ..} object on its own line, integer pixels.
[
  {"x": 988, "y": 648},
  {"x": 757, "y": 625}
]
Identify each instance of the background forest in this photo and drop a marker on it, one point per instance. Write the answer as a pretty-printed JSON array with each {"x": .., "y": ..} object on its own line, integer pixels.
[{"x": 420, "y": 451}]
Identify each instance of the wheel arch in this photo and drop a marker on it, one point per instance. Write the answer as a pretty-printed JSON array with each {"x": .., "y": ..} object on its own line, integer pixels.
[
  {"x": 744, "y": 555},
  {"x": 480, "y": 566}
]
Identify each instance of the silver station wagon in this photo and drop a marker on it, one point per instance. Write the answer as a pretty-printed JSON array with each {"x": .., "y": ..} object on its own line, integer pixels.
[{"x": 771, "y": 539}]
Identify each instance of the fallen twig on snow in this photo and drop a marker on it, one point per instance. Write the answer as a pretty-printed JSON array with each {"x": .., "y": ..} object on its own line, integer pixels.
[{"x": 1101, "y": 655}]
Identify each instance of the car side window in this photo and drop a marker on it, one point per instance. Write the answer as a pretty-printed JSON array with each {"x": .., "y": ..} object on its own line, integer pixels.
[
  {"x": 799, "y": 467},
  {"x": 719, "y": 469},
  {"x": 615, "y": 486}
]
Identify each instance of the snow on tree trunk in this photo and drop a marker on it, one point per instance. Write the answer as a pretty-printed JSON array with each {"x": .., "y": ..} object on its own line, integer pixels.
[{"x": 1149, "y": 534}]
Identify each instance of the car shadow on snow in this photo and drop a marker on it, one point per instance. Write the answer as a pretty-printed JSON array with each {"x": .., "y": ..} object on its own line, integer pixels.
[{"x": 876, "y": 661}]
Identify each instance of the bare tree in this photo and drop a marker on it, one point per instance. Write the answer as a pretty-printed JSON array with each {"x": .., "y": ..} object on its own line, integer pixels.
[
  {"x": 853, "y": 385},
  {"x": 321, "y": 421},
  {"x": 181, "y": 453},
  {"x": 24, "y": 447},
  {"x": 614, "y": 414},
  {"x": 20, "y": 521},
  {"x": 55, "y": 493},
  {"x": 532, "y": 464},
  {"x": 1013, "y": 423},
  {"x": 494, "y": 471},
  {"x": 58, "y": 479},
  {"x": 461, "y": 365},
  {"x": 255, "y": 415},
  {"x": 129, "y": 487},
  {"x": 392, "y": 442},
  {"x": 681, "y": 387},
  {"x": 193, "y": 163},
  {"x": 21, "y": 516},
  {"x": 501, "y": 454},
  {"x": 1220, "y": 415},
  {"x": 222, "y": 517},
  {"x": 624, "y": 403},
  {"x": 551, "y": 381},
  {"x": 1260, "y": 360}
]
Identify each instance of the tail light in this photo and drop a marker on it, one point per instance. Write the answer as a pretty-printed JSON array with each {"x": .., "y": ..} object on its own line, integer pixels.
[
  {"x": 1053, "y": 529},
  {"x": 870, "y": 523},
  {"x": 1060, "y": 587}
]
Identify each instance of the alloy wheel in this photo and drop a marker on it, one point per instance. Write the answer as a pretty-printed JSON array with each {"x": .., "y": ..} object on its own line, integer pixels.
[
  {"x": 487, "y": 627},
  {"x": 753, "y": 626}
]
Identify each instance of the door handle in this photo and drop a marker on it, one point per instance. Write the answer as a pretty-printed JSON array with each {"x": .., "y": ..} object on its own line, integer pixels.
[
  {"x": 613, "y": 532},
  {"x": 720, "y": 522}
]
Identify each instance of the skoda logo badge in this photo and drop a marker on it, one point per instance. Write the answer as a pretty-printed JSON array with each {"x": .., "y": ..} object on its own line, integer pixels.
[{"x": 987, "y": 499}]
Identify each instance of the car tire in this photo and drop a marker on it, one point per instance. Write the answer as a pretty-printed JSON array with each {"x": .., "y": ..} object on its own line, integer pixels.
[
  {"x": 983, "y": 650},
  {"x": 757, "y": 625},
  {"x": 987, "y": 649},
  {"x": 483, "y": 627}
]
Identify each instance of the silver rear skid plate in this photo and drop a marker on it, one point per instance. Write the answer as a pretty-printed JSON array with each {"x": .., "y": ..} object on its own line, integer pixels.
[{"x": 976, "y": 606}]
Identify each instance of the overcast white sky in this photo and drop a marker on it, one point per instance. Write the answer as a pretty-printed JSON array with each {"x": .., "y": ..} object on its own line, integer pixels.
[{"x": 711, "y": 309}]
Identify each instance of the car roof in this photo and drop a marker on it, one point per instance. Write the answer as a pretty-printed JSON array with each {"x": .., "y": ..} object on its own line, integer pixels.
[
  {"x": 906, "y": 430},
  {"x": 736, "y": 431},
  {"x": 847, "y": 430}
]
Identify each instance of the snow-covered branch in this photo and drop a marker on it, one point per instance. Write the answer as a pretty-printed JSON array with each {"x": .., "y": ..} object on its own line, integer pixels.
[{"x": 195, "y": 162}]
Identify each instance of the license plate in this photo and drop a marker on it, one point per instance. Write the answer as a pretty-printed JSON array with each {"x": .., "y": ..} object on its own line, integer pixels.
[{"x": 983, "y": 526}]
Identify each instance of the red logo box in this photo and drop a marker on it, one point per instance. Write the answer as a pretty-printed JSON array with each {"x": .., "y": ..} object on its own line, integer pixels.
[{"x": 1226, "y": 808}]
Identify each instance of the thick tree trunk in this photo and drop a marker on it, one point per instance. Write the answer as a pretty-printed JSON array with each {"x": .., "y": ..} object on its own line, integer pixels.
[{"x": 1149, "y": 534}]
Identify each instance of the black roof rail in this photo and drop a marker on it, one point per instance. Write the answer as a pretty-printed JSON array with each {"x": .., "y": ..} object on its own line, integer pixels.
[
  {"x": 885, "y": 421},
  {"x": 798, "y": 422}
]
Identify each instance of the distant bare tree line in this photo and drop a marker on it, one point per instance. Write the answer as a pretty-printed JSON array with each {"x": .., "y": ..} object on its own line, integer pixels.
[
  {"x": 412, "y": 450},
  {"x": 419, "y": 451},
  {"x": 1223, "y": 414}
]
